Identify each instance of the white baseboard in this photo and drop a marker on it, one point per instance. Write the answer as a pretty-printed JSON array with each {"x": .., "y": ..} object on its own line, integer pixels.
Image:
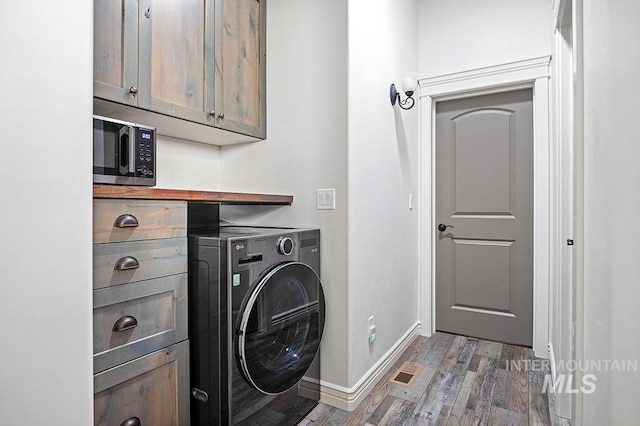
[{"x": 349, "y": 399}]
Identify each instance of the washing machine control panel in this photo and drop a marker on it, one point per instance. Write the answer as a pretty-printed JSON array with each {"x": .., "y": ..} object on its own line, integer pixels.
[
  {"x": 256, "y": 252},
  {"x": 285, "y": 246}
]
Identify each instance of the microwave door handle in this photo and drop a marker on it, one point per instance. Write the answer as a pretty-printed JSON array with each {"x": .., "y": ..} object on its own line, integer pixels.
[
  {"x": 124, "y": 150},
  {"x": 132, "y": 150}
]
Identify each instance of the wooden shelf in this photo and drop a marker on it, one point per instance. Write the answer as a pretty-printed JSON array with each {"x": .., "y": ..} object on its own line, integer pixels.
[{"x": 143, "y": 192}]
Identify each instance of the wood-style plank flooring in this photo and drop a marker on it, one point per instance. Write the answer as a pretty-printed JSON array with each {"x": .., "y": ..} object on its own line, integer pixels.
[{"x": 464, "y": 381}]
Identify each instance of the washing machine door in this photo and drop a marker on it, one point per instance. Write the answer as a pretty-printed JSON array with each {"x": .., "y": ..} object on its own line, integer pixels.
[{"x": 281, "y": 327}]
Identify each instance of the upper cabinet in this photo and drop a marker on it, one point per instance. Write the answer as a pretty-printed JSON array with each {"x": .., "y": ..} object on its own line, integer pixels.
[
  {"x": 201, "y": 62},
  {"x": 115, "y": 50},
  {"x": 240, "y": 66}
]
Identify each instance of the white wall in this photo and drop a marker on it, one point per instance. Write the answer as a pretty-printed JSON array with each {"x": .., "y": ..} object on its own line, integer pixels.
[
  {"x": 611, "y": 65},
  {"x": 562, "y": 295},
  {"x": 459, "y": 35},
  {"x": 383, "y": 171},
  {"x": 306, "y": 148},
  {"x": 183, "y": 164},
  {"x": 45, "y": 182}
]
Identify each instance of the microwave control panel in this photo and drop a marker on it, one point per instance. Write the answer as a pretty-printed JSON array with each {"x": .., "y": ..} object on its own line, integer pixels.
[{"x": 145, "y": 155}]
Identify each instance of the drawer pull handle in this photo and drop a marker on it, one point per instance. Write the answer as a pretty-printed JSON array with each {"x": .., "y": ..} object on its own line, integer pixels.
[
  {"x": 125, "y": 323},
  {"x": 126, "y": 221},
  {"x": 126, "y": 263},
  {"x": 133, "y": 421}
]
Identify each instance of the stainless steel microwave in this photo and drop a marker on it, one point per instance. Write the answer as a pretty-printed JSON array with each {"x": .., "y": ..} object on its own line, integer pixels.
[{"x": 123, "y": 153}]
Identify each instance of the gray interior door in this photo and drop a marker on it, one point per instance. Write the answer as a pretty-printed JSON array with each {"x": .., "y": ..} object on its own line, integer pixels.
[{"x": 484, "y": 195}]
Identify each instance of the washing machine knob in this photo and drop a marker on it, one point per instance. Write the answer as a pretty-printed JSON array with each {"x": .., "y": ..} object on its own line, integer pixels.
[{"x": 285, "y": 246}]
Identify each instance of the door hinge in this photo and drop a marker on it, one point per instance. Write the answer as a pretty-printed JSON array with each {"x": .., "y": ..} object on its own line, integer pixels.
[{"x": 569, "y": 242}]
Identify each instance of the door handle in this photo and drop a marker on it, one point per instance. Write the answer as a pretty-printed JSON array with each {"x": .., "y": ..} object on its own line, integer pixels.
[
  {"x": 200, "y": 395},
  {"x": 442, "y": 227}
]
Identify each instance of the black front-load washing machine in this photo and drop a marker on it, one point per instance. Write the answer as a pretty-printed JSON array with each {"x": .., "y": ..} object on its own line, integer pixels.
[{"x": 256, "y": 316}]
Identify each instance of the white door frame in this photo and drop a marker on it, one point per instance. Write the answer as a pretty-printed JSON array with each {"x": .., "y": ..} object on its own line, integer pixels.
[{"x": 532, "y": 73}]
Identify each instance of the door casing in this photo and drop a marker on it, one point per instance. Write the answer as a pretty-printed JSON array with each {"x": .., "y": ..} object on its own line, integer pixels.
[{"x": 532, "y": 73}]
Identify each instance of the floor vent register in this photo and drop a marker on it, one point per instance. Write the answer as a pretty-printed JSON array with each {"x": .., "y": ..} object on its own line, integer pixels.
[{"x": 407, "y": 374}]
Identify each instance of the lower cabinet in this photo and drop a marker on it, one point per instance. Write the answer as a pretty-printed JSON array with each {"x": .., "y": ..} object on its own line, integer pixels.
[
  {"x": 140, "y": 346},
  {"x": 152, "y": 390}
]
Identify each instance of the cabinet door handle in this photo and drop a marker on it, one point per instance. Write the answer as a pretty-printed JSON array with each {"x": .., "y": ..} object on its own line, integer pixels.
[
  {"x": 125, "y": 323},
  {"x": 126, "y": 263},
  {"x": 133, "y": 421},
  {"x": 133, "y": 90},
  {"x": 126, "y": 221},
  {"x": 221, "y": 115},
  {"x": 212, "y": 113}
]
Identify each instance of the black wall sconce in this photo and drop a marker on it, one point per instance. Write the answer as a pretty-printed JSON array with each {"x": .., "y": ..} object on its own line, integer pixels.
[{"x": 409, "y": 85}]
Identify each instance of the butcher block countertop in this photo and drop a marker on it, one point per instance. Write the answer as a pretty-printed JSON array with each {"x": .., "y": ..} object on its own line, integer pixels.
[{"x": 146, "y": 193}]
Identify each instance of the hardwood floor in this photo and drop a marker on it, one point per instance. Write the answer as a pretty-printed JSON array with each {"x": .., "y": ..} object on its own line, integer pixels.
[{"x": 464, "y": 381}]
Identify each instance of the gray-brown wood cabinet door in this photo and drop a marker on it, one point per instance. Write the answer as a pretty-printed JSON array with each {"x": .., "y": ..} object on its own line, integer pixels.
[
  {"x": 241, "y": 66},
  {"x": 115, "y": 50},
  {"x": 484, "y": 191},
  {"x": 150, "y": 390},
  {"x": 176, "y": 58}
]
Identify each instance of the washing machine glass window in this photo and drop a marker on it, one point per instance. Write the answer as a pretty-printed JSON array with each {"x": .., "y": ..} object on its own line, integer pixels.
[{"x": 281, "y": 327}]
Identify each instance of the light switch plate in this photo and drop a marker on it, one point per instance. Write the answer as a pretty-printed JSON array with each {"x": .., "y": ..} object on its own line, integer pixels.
[{"x": 326, "y": 199}]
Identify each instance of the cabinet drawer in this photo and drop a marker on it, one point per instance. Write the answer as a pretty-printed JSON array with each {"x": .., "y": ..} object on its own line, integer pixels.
[
  {"x": 151, "y": 314},
  {"x": 121, "y": 263},
  {"x": 130, "y": 220},
  {"x": 153, "y": 388}
]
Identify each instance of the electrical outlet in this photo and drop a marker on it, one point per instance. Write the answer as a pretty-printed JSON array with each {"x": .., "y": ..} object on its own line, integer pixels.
[{"x": 372, "y": 330}]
